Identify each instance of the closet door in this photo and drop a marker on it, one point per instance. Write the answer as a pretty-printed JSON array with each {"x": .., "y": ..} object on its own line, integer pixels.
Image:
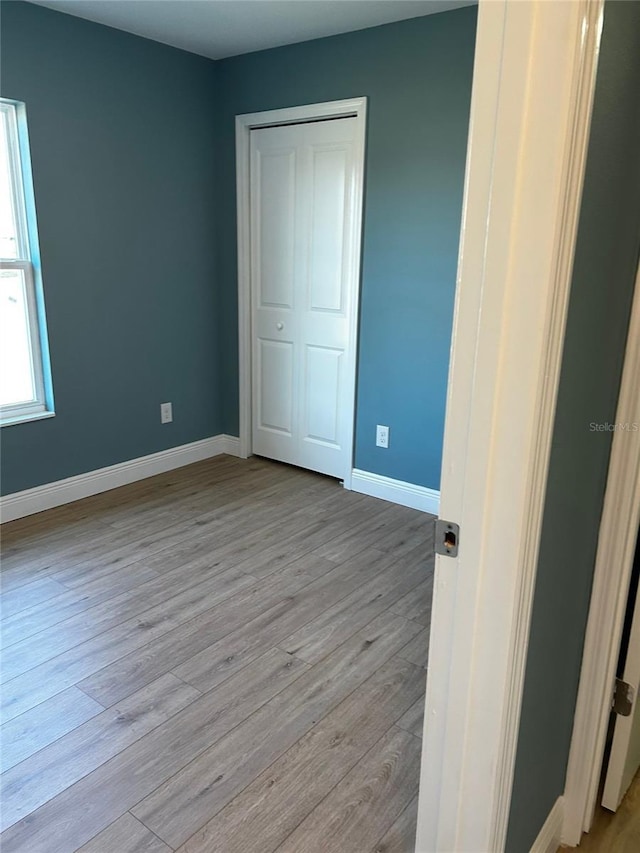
[{"x": 302, "y": 245}]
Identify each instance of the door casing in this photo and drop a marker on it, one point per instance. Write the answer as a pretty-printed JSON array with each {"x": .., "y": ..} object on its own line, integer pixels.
[
  {"x": 533, "y": 83},
  {"x": 351, "y": 107}
]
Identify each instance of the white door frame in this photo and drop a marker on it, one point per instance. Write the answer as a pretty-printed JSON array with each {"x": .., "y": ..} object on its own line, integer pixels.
[
  {"x": 533, "y": 84},
  {"x": 614, "y": 561},
  {"x": 351, "y": 107}
]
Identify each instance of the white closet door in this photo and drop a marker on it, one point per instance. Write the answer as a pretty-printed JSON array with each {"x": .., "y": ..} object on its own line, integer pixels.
[{"x": 302, "y": 245}]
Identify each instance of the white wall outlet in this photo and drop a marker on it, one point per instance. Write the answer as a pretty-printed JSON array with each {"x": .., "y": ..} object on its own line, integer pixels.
[
  {"x": 382, "y": 436},
  {"x": 166, "y": 413}
]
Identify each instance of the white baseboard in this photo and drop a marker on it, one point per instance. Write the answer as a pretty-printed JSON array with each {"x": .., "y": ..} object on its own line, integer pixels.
[
  {"x": 230, "y": 444},
  {"x": 61, "y": 492},
  {"x": 396, "y": 491},
  {"x": 549, "y": 837}
]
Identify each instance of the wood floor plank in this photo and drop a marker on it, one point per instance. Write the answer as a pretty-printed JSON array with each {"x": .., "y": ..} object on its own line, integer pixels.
[
  {"x": 25, "y": 555},
  {"x": 366, "y": 803},
  {"x": 34, "y": 558},
  {"x": 95, "y": 509},
  {"x": 178, "y": 550},
  {"x": 262, "y": 507},
  {"x": 82, "y": 810},
  {"x": 268, "y": 558},
  {"x": 214, "y": 663},
  {"x": 215, "y": 510},
  {"x": 169, "y": 651},
  {"x": 99, "y": 558},
  {"x": 146, "y": 602},
  {"x": 80, "y": 540},
  {"x": 47, "y": 525},
  {"x": 331, "y": 628},
  {"x": 401, "y": 835},
  {"x": 101, "y": 551},
  {"x": 125, "y": 835},
  {"x": 71, "y": 602},
  {"x": 51, "y": 677},
  {"x": 251, "y": 529},
  {"x": 35, "y": 729},
  {"x": 209, "y": 486},
  {"x": 417, "y": 651},
  {"x": 271, "y": 807},
  {"x": 418, "y": 530},
  {"x": 199, "y": 791},
  {"x": 374, "y": 527},
  {"x": 222, "y": 533},
  {"x": 413, "y": 720},
  {"x": 26, "y": 596},
  {"x": 416, "y": 604},
  {"x": 73, "y": 756}
]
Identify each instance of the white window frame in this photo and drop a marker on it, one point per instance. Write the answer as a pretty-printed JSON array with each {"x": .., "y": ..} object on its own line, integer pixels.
[{"x": 23, "y": 203}]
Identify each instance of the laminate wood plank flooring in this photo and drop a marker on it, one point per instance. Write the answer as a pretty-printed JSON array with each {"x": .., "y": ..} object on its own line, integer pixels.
[
  {"x": 126, "y": 835},
  {"x": 226, "y": 658},
  {"x": 272, "y": 806},
  {"x": 366, "y": 803},
  {"x": 417, "y": 651},
  {"x": 614, "y": 832},
  {"x": 412, "y": 720},
  {"x": 402, "y": 834},
  {"x": 45, "y": 723}
]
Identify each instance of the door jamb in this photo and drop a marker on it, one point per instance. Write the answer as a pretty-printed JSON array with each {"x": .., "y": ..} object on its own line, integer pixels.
[
  {"x": 350, "y": 107},
  {"x": 614, "y": 560}
]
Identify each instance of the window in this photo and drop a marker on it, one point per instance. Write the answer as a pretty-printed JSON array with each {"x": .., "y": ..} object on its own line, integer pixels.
[{"x": 25, "y": 385}]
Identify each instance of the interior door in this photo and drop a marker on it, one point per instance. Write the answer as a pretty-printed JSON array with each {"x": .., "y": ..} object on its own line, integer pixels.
[
  {"x": 624, "y": 760},
  {"x": 302, "y": 245}
]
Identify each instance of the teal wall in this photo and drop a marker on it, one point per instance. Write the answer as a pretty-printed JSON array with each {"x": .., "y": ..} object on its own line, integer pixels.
[
  {"x": 133, "y": 158},
  {"x": 417, "y": 77},
  {"x": 603, "y": 280},
  {"x": 122, "y": 134}
]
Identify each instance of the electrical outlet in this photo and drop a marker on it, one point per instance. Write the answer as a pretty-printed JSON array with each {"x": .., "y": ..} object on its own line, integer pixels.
[
  {"x": 382, "y": 436},
  {"x": 166, "y": 413}
]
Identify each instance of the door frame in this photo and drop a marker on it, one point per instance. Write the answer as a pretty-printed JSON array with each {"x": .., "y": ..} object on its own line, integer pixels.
[
  {"x": 614, "y": 560},
  {"x": 534, "y": 79},
  {"x": 349, "y": 107}
]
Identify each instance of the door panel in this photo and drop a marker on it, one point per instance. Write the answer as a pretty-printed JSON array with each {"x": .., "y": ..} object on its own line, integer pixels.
[
  {"x": 276, "y": 233},
  {"x": 327, "y": 229},
  {"x": 302, "y": 241},
  {"x": 276, "y": 386},
  {"x": 322, "y": 394}
]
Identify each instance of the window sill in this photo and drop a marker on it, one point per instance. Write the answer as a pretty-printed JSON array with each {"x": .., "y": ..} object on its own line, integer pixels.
[{"x": 23, "y": 419}]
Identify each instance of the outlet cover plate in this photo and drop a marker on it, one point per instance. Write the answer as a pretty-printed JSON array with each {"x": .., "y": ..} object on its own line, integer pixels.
[{"x": 382, "y": 436}]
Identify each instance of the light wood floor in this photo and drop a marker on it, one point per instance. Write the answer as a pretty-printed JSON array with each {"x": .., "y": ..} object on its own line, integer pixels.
[
  {"x": 230, "y": 658},
  {"x": 614, "y": 833}
]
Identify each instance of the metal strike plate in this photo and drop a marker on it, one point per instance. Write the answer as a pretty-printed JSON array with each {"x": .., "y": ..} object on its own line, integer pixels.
[
  {"x": 447, "y": 538},
  {"x": 623, "y": 698}
]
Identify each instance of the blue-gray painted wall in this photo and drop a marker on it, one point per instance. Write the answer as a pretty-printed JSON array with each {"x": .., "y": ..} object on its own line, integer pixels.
[
  {"x": 122, "y": 133},
  {"x": 132, "y": 146},
  {"x": 601, "y": 293},
  {"x": 417, "y": 76}
]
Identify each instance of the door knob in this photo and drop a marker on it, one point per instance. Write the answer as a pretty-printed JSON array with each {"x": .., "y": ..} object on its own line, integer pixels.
[{"x": 279, "y": 326}]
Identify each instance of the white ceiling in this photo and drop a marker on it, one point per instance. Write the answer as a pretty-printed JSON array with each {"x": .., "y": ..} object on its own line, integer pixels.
[{"x": 220, "y": 28}]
